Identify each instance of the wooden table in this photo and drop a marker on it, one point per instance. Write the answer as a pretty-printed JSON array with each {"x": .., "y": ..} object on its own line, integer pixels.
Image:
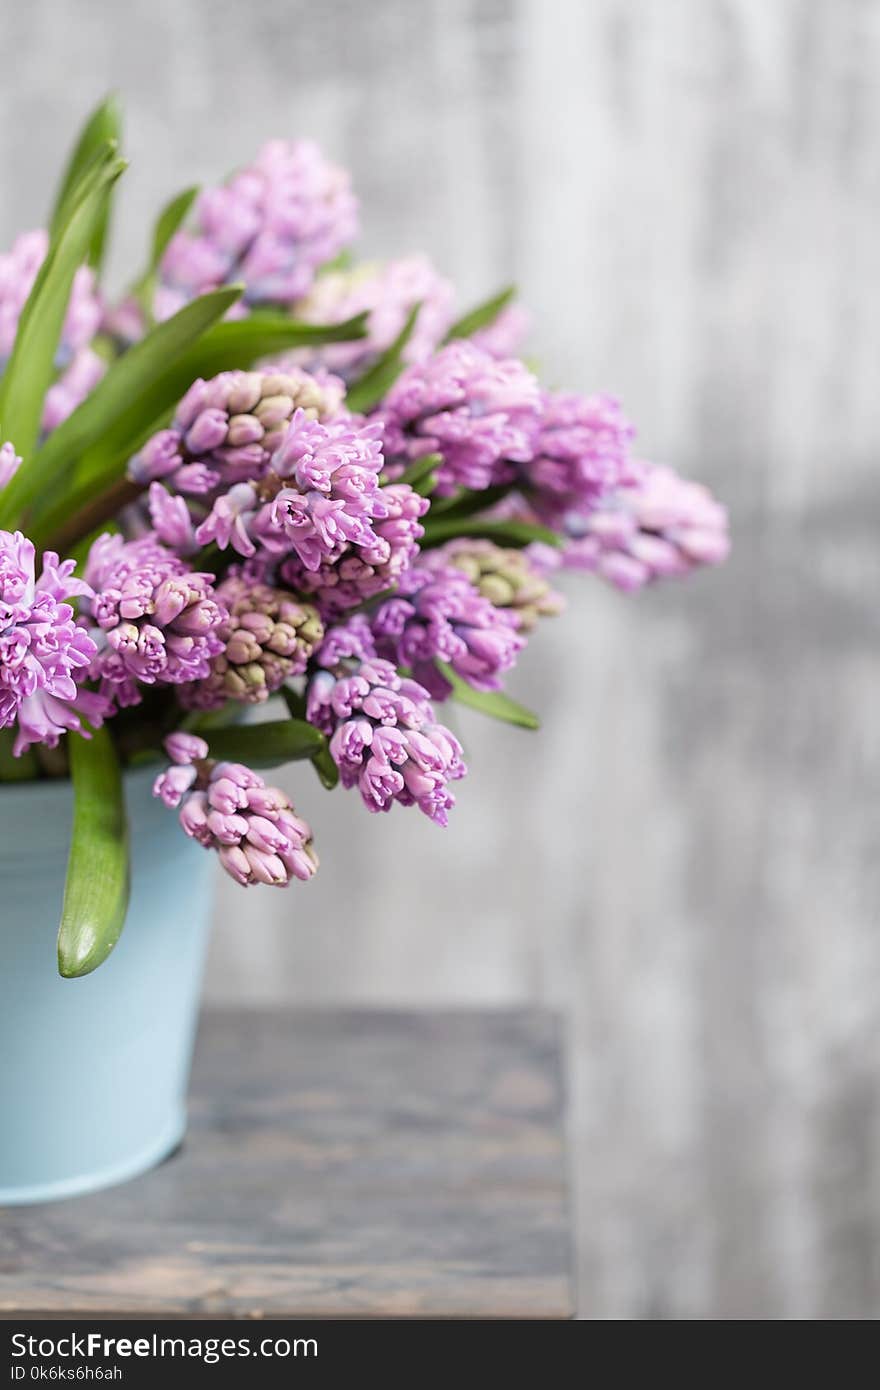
[{"x": 338, "y": 1165}]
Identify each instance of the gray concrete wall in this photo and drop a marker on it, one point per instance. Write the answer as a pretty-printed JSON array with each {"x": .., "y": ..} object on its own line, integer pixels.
[{"x": 688, "y": 193}]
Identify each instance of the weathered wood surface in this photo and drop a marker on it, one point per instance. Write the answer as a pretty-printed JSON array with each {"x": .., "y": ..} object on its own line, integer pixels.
[
  {"x": 688, "y": 194},
  {"x": 337, "y": 1164}
]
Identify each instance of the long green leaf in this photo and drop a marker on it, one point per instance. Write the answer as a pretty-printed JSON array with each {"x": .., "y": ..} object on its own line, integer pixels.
[
  {"x": 104, "y": 125},
  {"x": 128, "y": 380},
  {"x": 418, "y": 471},
  {"x": 29, "y": 370},
  {"x": 468, "y": 502},
  {"x": 266, "y": 745},
  {"x": 322, "y": 760},
  {"x": 513, "y": 533},
  {"x": 375, "y": 383},
  {"x": 225, "y": 347},
  {"x": 96, "y": 893},
  {"x": 481, "y": 317},
  {"x": 167, "y": 223},
  {"x": 494, "y": 703}
]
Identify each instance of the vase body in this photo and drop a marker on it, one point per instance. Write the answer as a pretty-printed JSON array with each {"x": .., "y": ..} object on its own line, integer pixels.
[{"x": 94, "y": 1071}]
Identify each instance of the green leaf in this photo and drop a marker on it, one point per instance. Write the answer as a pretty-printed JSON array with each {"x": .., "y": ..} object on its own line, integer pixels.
[
  {"x": 417, "y": 472},
  {"x": 328, "y": 772},
  {"x": 96, "y": 893},
  {"x": 513, "y": 533},
  {"x": 31, "y": 364},
  {"x": 343, "y": 261},
  {"x": 103, "y": 127},
  {"x": 492, "y": 702},
  {"x": 375, "y": 383},
  {"x": 467, "y": 502},
  {"x": 322, "y": 761},
  {"x": 266, "y": 745},
  {"x": 129, "y": 380},
  {"x": 481, "y": 317},
  {"x": 227, "y": 346},
  {"x": 167, "y": 223}
]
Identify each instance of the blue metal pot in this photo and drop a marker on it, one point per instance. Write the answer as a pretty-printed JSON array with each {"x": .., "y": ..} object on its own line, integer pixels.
[{"x": 94, "y": 1072}]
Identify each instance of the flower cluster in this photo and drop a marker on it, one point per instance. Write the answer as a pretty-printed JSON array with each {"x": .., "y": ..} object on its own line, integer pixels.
[
  {"x": 344, "y": 533},
  {"x": 270, "y": 227},
  {"x": 479, "y": 413},
  {"x": 581, "y": 453},
  {"x": 271, "y": 464},
  {"x": 438, "y": 615},
  {"x": 268, "y": 636},
  {"x": 507, "y": 578},
  {"x": 387, "y": 294},
  {"x": 226, "y": 807},
  {"x": 383, "y": 733},
  {"x": 658, "y": 526},
  {"x": 78, "y": 366},
  {"x": 44, "y": 655},
  {"x": 156, "y": 620}
]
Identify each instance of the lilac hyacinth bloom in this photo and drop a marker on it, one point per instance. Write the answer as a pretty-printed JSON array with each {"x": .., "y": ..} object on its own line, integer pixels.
[
  {"x": 220, "y": 444},
  {"x": 271, "y": 226},
  {"x": 79, "y": 368},
  {"x": 581, "y": 454},
  {"x": 480, "y": 414},
  {"x": 383, "y": 734},
  {"x": 437, "y": 613},
  {"x": 656, "y": 526},
  {"x": 44, "y": 655},
  {"x": 226, "y": 430},
  {"x": 226, "y": 807},
  {"x": 369, "y": 567},
  {"x": 156, "y": 620},
  {"x": 386, "y": 293},
  {"x": 324, "y": 493},
  {"x": 10, "y": 463}
]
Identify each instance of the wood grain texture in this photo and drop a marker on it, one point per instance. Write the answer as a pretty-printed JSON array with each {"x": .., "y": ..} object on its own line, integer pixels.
[
  {"x": 337, "y": 1165},
  {"x": 688, "y": 193}
]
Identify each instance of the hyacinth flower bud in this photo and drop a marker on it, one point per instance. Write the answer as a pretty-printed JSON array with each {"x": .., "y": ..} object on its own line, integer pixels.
[
  {"x": 268, "y": 636},
  {"x": 508, "y": 579},
  {"x": 228, "y": 808}
]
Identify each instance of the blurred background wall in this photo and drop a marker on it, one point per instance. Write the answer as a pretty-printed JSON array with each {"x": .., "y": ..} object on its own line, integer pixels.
[{"x": 685, "y": 859}]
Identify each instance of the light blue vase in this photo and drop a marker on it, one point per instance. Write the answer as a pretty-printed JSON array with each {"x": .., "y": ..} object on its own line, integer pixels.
[{"x": 94, "y": 1072}]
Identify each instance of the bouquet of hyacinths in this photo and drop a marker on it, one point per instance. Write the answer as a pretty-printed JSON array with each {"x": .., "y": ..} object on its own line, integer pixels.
[{"x": 270, "y": 475}]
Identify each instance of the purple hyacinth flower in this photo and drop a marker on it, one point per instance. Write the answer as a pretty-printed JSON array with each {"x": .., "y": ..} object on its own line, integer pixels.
[
  {"x": 480, "y": 414},
  {"x": 383, "y": 734},
  {"x": 228, "y": 808},
  {"x": 271, "y": 226},
  {"x": 438, "y": 614},
  {"x": 44, "y": 654}
]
